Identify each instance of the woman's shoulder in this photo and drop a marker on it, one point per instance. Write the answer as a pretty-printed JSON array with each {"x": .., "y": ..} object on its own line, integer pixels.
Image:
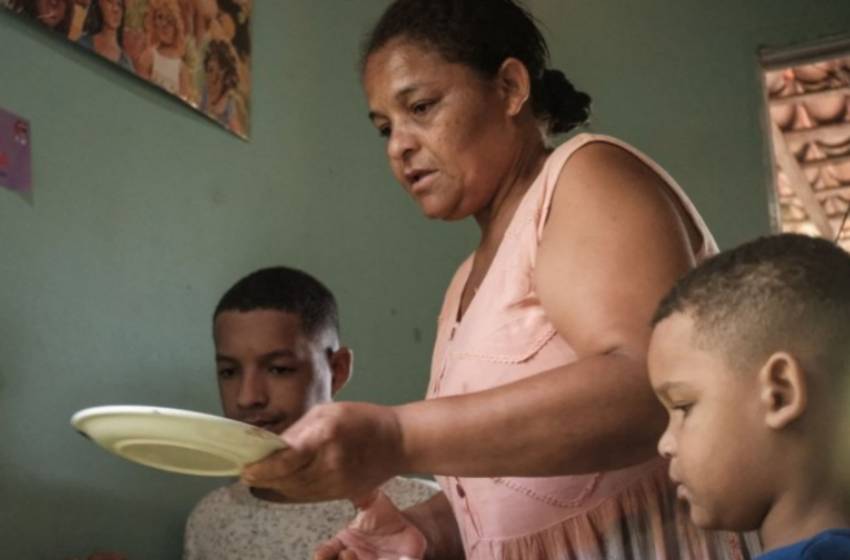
[
  {"x": 581, "y": 140},
  {"x": 601, "y": 147},
  {"x": 605, "y": 170},
  {"x": 587, "y": 153},
  {"x": 597, "y": 156},
  {"x": 146, "y": 58}
]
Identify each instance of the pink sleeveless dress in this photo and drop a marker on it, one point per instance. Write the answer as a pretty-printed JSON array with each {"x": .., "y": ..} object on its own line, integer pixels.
[{"x": 629, "y": 514}]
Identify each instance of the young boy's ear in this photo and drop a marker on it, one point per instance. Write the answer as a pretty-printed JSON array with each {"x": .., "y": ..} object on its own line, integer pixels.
[
  {"x": 342, "y": 363},
  {"x": 783, "y": 390}
]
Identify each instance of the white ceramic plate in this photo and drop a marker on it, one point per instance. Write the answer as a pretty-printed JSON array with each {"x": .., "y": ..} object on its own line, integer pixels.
[{"x": 176, "y": 440}]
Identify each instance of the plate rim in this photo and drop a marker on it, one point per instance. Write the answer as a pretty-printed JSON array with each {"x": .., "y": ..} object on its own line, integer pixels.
[
  {"x": 144, "y": 410},
  {"x": 83, "y": 416}
]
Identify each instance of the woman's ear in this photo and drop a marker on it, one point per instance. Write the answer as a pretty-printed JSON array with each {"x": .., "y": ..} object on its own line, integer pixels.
[
  {"x": 783, "y": 391},
  {"x": 342, "y": 362},
  {"x": 514, "y": 84}
]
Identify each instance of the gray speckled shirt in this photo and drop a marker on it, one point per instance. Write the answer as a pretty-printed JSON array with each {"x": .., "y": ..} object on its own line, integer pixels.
[{"x": 231, "y": 524}]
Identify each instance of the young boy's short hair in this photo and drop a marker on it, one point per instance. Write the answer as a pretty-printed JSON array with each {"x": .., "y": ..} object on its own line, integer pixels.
[
  {"x": 285, "y": 289},
  {"x": 785, "y": 292}
]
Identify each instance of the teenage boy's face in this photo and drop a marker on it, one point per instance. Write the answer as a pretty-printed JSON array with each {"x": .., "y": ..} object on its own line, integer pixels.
[
  {"x": 712, "y": 436},
  {"x": 269, "y": 372}
]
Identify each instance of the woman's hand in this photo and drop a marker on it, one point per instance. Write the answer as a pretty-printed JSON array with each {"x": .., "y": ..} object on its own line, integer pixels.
[
  {"x": 379, "y": 532},
  {"x": 336, "y": 451}
]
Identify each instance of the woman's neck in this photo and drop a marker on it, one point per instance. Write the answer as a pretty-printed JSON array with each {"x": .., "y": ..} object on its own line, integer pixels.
[
  {"x": 106, "y": 43},
  {"x": 495, "y": 219},
  {"x": 527, "y": 164},
  {"x": 169, "y": 50}
]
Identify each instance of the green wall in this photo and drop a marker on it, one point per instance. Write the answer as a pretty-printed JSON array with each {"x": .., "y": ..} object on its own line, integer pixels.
[
  {"x": 680, "y": 79},
  {"x": 144, "y": 212}
]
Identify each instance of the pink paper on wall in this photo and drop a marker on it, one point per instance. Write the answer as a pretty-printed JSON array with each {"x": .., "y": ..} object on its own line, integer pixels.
[{"x": 15, "y": 139}]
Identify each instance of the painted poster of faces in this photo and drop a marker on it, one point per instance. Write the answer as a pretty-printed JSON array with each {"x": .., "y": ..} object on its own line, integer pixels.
[{"x": 198, "y": 50}]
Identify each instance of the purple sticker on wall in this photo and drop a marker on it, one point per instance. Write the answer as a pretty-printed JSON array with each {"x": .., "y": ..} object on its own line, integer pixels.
[{"x": 15, "y": 139}]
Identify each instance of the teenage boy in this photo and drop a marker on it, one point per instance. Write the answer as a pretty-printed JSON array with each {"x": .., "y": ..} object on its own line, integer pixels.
[{"x": 278, "y": 354}]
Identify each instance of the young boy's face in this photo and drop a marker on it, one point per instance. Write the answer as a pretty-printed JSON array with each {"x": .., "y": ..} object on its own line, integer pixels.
[
  {"x": 269, "y": 372},
  {"x": 712, "y": 437}
]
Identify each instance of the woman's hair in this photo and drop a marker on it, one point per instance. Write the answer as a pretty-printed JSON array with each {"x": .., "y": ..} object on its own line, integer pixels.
[
  {"x": 30, "y": 9},
  {"x": 482, "y": 34},
  {"x": 94, "y": 21},
  {"x": 172, "y": 8},
  {"x": 241, "y": 39},
  {"x": 222, "y": 52}
]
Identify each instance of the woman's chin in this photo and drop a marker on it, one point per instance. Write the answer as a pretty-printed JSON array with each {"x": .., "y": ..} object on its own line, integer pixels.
[
  {"x": 444, "y": 218},
  {"x": 431, "y": 213},
  {"x": 440, "y": 212}
]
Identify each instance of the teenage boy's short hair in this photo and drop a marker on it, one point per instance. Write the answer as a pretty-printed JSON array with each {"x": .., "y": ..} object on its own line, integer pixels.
[
  {"x": 785, "y": 292},
  {"x": 285, "y": 289}
]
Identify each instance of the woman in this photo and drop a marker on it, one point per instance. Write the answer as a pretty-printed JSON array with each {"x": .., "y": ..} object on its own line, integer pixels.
[
  {"x": 103, "y": 31},
  {"x": 162, "y": 62},
  {"x": 540, "y": 423},
  {"x": 222, "y": 81}
]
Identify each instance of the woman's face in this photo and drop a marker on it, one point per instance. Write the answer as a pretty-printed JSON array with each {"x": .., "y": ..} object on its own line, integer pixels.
[
  {"x": 165, "y": 26},
  {"x": 113, "y": 13},
  {"x": 444, "y": 125},
  {"x": 51, "y": 12}
]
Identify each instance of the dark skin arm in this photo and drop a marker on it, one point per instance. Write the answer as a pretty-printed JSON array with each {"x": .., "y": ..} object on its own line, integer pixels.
[{"x": 613, "y": 245}]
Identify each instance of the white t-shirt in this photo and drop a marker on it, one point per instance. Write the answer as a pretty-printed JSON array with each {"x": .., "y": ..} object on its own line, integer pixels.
[{"x": 231, "y": 524}]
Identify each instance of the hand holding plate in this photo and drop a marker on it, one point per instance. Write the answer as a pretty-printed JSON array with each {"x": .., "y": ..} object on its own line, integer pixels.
[{"x": 337, "y": 451}]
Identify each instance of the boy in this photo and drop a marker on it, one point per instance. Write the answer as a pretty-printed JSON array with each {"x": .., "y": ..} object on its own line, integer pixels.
[
  {"x": 749, "y": 355},
  {"x": 278, "y": 354}
]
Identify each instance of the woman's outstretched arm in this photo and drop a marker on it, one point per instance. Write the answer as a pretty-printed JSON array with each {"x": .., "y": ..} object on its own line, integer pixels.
[{"x": 615, "y": 241}]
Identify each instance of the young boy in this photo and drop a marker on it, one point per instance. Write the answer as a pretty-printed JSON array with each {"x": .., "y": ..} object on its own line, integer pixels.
[
  {"x": 278, "y": 354},
  {"x": 750, "y": 355}
]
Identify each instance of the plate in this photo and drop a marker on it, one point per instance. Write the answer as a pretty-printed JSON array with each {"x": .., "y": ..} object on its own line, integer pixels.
[{"x": 176, "y": 440}]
